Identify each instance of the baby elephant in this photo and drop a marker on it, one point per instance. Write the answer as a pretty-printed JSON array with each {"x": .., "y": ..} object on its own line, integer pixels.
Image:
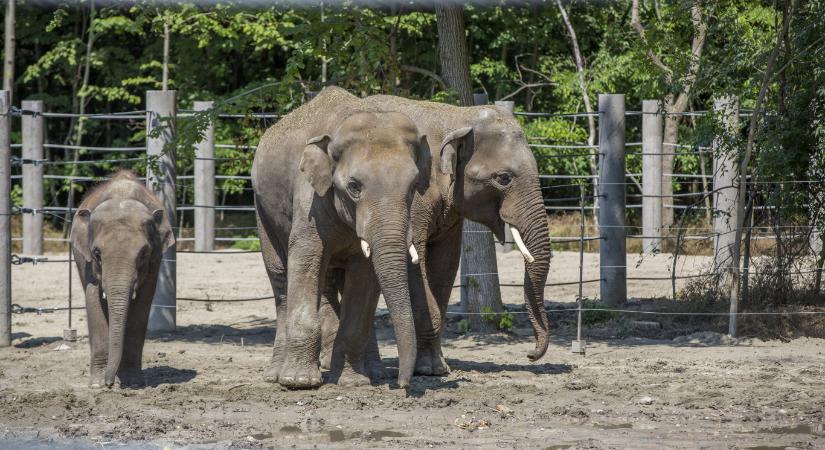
[{"x": 118, "y": 236}]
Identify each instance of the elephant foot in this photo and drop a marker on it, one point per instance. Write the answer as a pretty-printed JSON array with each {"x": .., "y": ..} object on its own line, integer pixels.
[
  {"x": 96, "y": 381},
  {"x": 271, "y": 373},
  {"x": 131, "y": 379},
  {"x": 430, "y": 362},
  {"x": 351, "y": 378},
  {"x": 293, "y": 376},
  {"x": 326, "y": 358},
  {"x": 376, "y": 371}
]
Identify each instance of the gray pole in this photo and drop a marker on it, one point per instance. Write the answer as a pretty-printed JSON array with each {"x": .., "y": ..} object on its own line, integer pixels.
[
  {"x": 508, "y": 236},
  {"x": 5, "y": 220},
  {"x": 726, "y": 193},
  {"x": 652, "y": 131},
  {"x": 613, "y": 249},
  {"x": 33, "y": 136},
  {"x": 480, "y": 289},
  {"x": 160, "y": 113},
  {"x": 205, "y": 186}
]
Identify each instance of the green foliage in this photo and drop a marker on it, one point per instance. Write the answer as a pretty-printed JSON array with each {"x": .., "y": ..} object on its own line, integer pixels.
[
  {"x": 269, "y": 57},
  {"x": 503, "y": 321},
  {"x": 246, "y": 244},
  {"x": 595, "y": 317}
]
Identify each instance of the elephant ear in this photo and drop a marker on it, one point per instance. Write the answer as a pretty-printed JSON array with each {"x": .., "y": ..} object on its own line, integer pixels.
[
  {"x": 316, "y": 164},
  {"x": 164, "y": 229},
  {"x": 457, "y": 147},
  {"x": 424, "y": 162},
  {"x": 80, "y": 233}
]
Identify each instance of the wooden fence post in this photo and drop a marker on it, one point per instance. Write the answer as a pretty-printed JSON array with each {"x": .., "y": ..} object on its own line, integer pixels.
[
  {"x": 613, "y": 248},
  {"x": 508, "y": 235},
  {"x": 160, "y": 178},
  {"x": 725, "y": 190},
  {"x": 652, "y": 131},
  {"x": 33, "y": 136},
  {"x": 205, "y": 186},
  {"x": 480, "y": 290},
  {"x": 5, "y": 220}
]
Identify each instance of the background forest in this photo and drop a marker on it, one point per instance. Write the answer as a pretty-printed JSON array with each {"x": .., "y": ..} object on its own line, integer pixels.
[{"x": 547, "y": 56}]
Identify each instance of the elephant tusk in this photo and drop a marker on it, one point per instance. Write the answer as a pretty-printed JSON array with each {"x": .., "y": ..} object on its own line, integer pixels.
[
  {"x": 104, "y": 296},
  {"x": 413, "y": 254},
  {"x": 365, "y": 248},
  {"x": 520, "y": 243}
]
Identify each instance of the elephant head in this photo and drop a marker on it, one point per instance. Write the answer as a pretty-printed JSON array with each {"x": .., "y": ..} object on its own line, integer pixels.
[
  {"x": 125, "y": 242},
  {"x": 497, "y": 184},
  {"x": 371, "y": 165}
]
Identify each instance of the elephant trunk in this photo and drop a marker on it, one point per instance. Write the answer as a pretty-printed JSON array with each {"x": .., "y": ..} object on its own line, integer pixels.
[
  {"x": 119, "y": 296},
  {"x": 524, "y": 210},
  {"x": 389, "y": 260}
]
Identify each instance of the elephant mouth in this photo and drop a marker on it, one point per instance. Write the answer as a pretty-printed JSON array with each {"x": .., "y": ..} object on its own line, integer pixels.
[{"x": 367, "y": 251}]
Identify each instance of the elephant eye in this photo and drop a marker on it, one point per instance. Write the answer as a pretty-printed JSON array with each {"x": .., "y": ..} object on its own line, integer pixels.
[
  {"x": 503, "y": 178},
  {"x": 354, "y": 188},
  {"x": 96, "y": 254}
]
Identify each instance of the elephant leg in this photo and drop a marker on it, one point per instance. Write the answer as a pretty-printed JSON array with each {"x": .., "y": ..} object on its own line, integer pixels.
[
  {"x": 276, "y": 271},
  {"x": 329, "y": 311},
  {"x": 306, "y": 268},
  {"x": 375, "y": 366},
  {"x": 438, "y": 274},
  {"x": 358, "y": 302},
  {"x": 131, "y": 366},
  {"x": 96, "y": 319}
]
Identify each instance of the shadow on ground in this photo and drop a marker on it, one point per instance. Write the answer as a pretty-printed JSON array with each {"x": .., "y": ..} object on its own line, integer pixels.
[{"x": 155, "y": 376}]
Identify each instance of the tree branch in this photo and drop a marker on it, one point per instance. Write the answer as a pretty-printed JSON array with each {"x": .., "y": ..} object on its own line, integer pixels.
[
  {"x": 425, "y": 72},
  {"x": 636, "y": 23}
]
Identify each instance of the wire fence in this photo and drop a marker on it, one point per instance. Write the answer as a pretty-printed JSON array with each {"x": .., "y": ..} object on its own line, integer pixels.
[{"x": 554, "y": 201}]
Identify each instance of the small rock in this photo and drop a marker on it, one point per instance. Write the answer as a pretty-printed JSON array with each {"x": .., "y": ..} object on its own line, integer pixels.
[
  {"x": 646, "y": 400},
  {"x": 339, "y": 398}
]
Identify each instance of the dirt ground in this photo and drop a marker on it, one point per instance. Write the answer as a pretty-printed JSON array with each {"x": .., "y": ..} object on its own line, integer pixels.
[{"x": 205, "y": 387}]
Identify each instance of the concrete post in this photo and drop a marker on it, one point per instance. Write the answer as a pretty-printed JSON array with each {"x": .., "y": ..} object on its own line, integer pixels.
[
  {"x": 205, "y": 186},
  {"x": 613, "y": 248},
  {"x": 33, "y": 136},
  {"x": 5, "y": 220},
  {"x": 480, "y": 291},
  {"x": 508, "y": 236},
  {"x": 160, "y": 178},
  {"x": 652, "y": 132},
  {"x": 726, "y": 192}
]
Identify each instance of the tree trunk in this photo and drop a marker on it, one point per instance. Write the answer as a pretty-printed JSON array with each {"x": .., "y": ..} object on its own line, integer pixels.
[
  {"x": 479, "y": 272},
  {"x": 166, "y": 38},
  {"x": 452, "y": 49},
  {"x": 90, "y": 40},
  {"x": 8, "y": 55}
]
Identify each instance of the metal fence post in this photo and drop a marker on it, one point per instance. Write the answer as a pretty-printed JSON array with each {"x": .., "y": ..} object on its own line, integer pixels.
[
  {"x": 205, "y": 186},
  {"x": 5, "y": 220},
  {"x": 508, "y": 235},
  {"x": 33, "y": 136},
  {"x": 725, "y": 190},
  {"x": 480, "y": 291},
  {"x": 652, "y": 131},
  {"x": 160, "y": 178},
  {"x": 613, "y": 248}
]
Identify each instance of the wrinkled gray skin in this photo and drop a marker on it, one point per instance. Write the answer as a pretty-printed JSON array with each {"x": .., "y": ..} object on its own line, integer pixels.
[
  {"x": 118, "y": 236},
  {"x": 482, "y": 170},
  {"x": 327, "y": 177}
]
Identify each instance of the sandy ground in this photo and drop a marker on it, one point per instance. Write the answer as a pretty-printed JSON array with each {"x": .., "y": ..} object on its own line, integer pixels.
[{"x": 205, "y": 387}]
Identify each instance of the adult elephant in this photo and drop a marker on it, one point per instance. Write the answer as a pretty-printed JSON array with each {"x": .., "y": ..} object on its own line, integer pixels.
[
  {"x": 333, "y": 186},
  {"x": 483, "y": 170}
]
